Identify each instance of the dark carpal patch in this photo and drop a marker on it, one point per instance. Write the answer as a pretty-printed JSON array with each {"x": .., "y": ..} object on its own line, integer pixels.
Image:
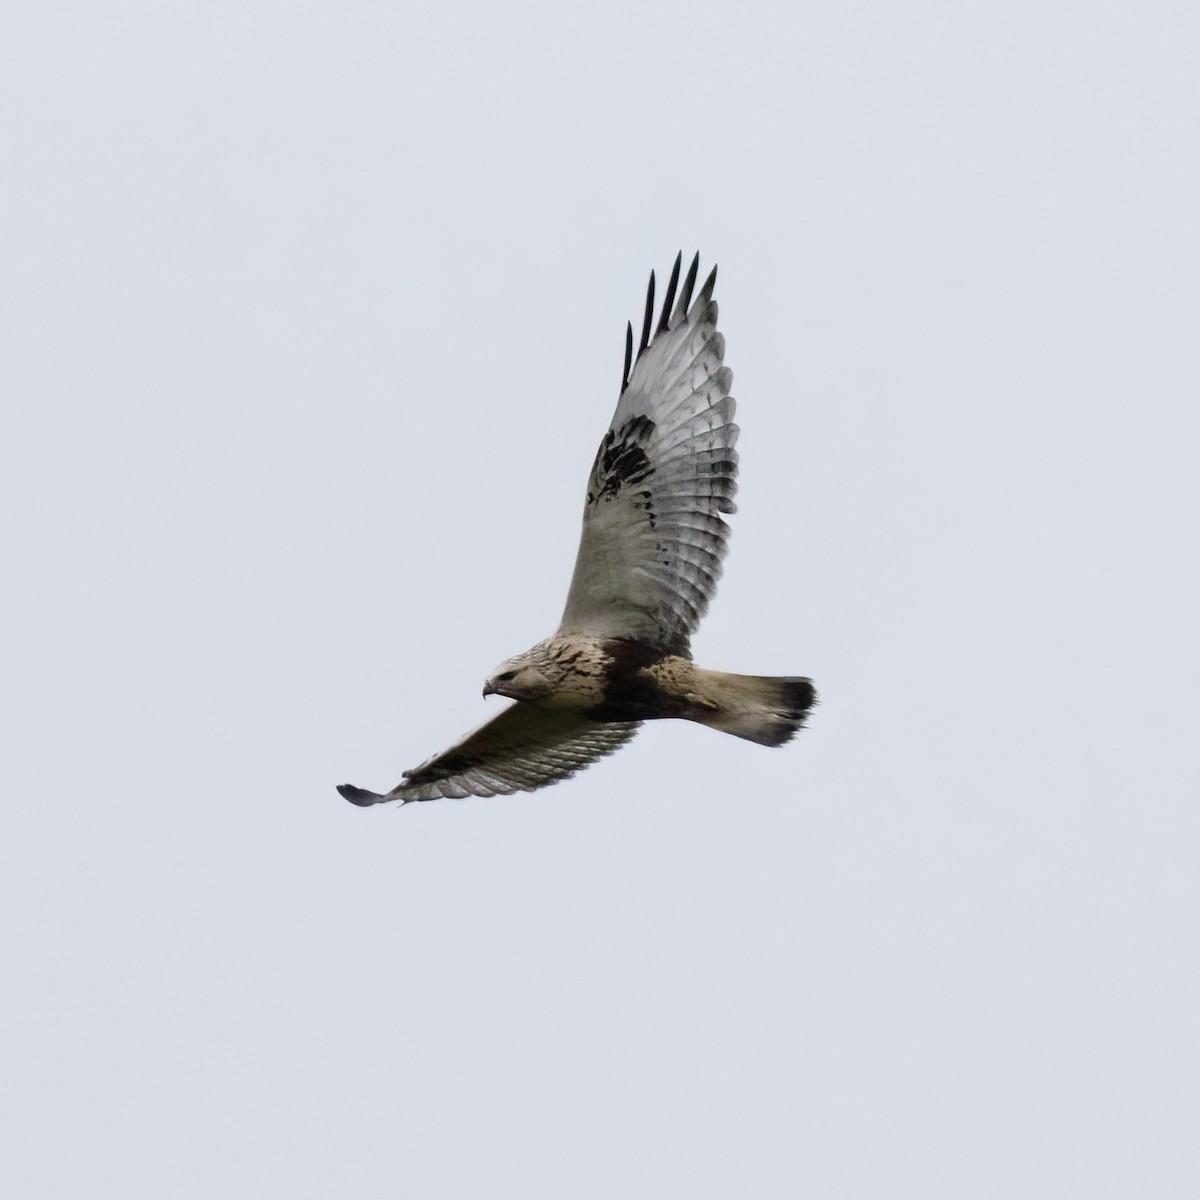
[{"x": 622, "y": 462}]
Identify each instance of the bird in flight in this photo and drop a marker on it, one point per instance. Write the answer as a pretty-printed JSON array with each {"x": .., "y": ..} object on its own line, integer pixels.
[{"x": 649, "y": 559}]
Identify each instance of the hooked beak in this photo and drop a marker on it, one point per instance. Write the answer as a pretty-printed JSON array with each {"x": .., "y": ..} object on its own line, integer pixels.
[{"x": 488, "y": 690}]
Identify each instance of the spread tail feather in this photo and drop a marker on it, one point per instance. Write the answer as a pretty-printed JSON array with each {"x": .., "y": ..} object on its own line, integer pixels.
[{"x": 760, "y": 708}]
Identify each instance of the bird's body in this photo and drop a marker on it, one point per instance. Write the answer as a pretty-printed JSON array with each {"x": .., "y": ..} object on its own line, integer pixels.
[
  {"x": 649, "y": 558},
  {"x": 618, "y": 679}
]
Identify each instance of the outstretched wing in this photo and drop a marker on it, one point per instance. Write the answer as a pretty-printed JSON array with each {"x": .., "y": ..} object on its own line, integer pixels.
[
  {"x": 525, "y": 748},
  {"x": 653, "y": 538}
]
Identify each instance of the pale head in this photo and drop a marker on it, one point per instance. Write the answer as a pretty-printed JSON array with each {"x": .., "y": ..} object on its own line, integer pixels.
[{"x": 520, "y": 677}]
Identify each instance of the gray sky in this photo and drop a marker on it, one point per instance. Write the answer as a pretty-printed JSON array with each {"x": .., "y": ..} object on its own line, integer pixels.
[{"x": 312, "y": 319}]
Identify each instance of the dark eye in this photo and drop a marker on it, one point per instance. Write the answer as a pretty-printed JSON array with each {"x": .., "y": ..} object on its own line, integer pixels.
[{"x": 506, "y": 676}]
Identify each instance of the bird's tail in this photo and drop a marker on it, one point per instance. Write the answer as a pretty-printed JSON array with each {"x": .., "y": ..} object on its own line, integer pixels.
[{"x": 760, "y": 708}]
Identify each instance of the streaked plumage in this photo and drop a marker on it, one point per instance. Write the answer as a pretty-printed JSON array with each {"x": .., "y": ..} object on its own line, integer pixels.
[{"x": 649, "y": 559}]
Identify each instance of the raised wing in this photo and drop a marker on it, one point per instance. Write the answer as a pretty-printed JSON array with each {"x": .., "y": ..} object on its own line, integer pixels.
[
  {"x": 653, "y": 538},
  {"x": 525, "y": 748}
]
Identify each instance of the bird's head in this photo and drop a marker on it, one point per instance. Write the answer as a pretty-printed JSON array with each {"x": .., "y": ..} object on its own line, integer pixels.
[{"x": 518, "y": 678}]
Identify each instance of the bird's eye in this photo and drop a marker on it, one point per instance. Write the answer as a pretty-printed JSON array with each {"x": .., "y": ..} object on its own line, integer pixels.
[{"x": 506, "y": 676}]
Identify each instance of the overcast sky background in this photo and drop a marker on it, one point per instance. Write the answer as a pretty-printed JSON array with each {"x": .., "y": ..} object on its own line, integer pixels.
[{"x": 312, "y": 317}]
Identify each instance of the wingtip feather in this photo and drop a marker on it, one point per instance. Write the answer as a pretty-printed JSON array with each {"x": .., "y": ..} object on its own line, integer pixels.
[
  {"x": 664, "y": 322},
  {"x": 706, "y": 291},
  {"x": 648, "y": 319},
  {"x": 359, "y": 796},
  {"x": 685, "y": 296}
]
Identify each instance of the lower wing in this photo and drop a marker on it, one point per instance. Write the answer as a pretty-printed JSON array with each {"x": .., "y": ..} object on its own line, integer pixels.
[{"x": 525, "y": 748}]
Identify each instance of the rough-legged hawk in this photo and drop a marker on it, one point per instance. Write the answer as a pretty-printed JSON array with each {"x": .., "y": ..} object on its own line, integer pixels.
[{"x": 649, "y": 559}]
